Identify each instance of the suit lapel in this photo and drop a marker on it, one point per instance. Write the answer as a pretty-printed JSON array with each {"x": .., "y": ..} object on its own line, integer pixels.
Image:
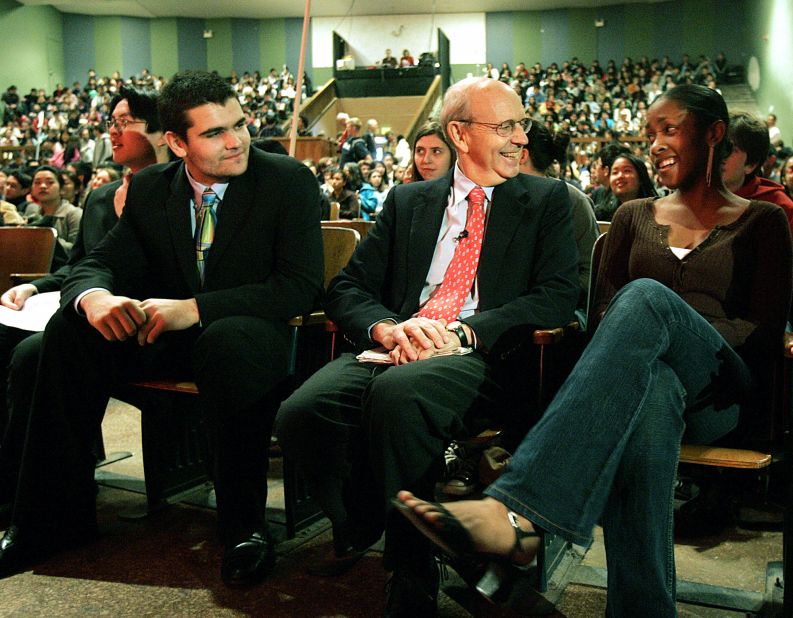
[
  {"x": 510, "y": 200},
  {"x": 178, "y": 212},
  {"x": 425, "y": 224},
  {"x": 232, "y": 215}
]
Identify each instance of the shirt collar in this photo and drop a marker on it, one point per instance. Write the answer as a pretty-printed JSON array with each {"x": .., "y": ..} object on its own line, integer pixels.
[
  {"x": 462, "y": 185},
  {"x": 219, "y": 187}
]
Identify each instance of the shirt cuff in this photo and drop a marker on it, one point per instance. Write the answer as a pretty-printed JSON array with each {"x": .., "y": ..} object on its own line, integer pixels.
[
  {"x": 83, "y": 295},
  {"x": 369, "y": 330}
]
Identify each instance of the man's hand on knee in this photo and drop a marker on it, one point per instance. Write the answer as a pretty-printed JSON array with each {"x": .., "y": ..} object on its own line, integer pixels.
[
  {"x": 164, "y": 314},
  {"x": 15, "y": 297},
  {"x": 116, "y": 317}
]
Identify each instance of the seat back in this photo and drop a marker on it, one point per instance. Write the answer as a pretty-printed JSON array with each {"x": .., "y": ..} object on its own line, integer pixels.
[
  {"x": 360, "y": 225},
  {"x": 597, "y": 254},
  {"x": 339, "y": 244},
  {"x": 25, "y": 250}
]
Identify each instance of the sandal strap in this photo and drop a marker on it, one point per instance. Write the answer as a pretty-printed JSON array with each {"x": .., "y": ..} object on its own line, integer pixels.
[{"x": 520, "y": 534}]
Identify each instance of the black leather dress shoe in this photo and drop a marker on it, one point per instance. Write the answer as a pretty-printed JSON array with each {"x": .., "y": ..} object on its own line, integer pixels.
[
  {"x": 22, "y": 547},
  {"x": 18, "y": 551},
  {"x": 413, "y": 592},
  {"x": 248, "y": 562}
]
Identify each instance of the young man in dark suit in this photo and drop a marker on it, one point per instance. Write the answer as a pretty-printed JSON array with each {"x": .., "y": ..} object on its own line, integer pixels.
[
  {"x": 197, "y": 281},
  {"x": 351, "y": 417}
]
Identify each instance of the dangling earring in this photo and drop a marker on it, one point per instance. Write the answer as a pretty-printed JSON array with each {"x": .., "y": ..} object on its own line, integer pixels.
[{"x": 709, "y": 170}]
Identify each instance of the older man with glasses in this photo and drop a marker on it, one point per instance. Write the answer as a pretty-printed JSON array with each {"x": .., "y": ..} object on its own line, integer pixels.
[{"x": 448, "y": 285}]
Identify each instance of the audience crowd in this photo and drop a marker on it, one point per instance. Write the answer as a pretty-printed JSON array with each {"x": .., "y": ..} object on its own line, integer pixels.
[{"x": 67, "y": 129}]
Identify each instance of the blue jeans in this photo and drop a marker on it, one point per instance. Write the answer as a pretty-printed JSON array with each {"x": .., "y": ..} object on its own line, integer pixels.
[{"x": 607, "y": 447}]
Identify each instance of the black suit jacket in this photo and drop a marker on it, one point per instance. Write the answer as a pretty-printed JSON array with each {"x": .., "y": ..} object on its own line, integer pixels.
[
  {"x": 266, "y": 260},
  {"x": 99, "y": 217},
  {"x": 527, "y": 270}
]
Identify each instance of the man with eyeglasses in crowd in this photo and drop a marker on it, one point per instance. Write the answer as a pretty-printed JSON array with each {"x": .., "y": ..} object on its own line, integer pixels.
[
  {"x": 418, "y": 288},
  {"x": 137, "y": 143}
]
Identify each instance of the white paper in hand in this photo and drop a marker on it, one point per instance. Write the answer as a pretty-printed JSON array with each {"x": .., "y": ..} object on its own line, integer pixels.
[{"x": 34, "y": 315}]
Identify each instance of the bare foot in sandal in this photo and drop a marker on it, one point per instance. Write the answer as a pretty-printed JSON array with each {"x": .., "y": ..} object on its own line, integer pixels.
[{"x": 493, "y": 529}]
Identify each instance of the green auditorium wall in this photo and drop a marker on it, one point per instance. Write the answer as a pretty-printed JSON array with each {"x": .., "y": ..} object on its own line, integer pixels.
[
  {"x": 771, "y": 22},
  {"x": 32, "y": 51}
]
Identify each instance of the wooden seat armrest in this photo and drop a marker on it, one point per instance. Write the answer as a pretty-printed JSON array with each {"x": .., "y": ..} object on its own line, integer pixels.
[
  {"x": 315, "y": 317},
  {"x": 547, "y": 336},
  {"x": 167, "y": 385},
  {"x": 484, "y": 437},
  {"x": 723, "y": 457},
  {"x": 17, "y": 278}
]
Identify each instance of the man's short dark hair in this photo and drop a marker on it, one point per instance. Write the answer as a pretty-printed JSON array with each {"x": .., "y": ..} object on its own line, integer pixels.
[
  {"x": 46, "y": 168},
  {"x": 750, "y": 134},
  {"x": 188, "y": 90},
  {"x": 610, "y": 152},
  {"x": 142, "y": 105},
  {"x": 24, "y": 180}
]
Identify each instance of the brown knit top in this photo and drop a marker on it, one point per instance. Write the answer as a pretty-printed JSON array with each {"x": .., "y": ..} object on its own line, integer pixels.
[{"x": 738, "y": 278}]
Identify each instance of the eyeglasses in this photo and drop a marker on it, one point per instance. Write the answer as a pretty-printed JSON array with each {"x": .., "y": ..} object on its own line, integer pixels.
[
  {"x": 506, "y": 128},
  {"x": 121, "y": 124}
]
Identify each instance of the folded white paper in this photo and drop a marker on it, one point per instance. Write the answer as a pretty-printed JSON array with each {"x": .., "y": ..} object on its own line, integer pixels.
[
  {"x": 380, "y": 355},
  {"x": 35, "y": 313}
]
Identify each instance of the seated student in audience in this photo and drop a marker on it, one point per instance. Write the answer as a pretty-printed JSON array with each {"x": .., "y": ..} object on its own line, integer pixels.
[
  {"x": 629, "y": 179},
  {"x": 364, "y": 167},
  {"x": 18, "y": 189},
  {"x": 380, "y": 166},
  {"x": 389, "y": 61},
  {"x": 406, "y": 60},
  {"x": 214, "y": 309},
  {"x": 686, "y": 351},
  {"x": 742, "y": 168},
  {"x": 787, "y": 176},
  {"x": 399, "y": 174},
  {"x": 353, "y": 174},
  {"x": 51, "y": 209},
  {"x": 605, "y": 201},
  {"x": 372, "y": 195},
  {"x": 349, "y": 205},
  {"x": 138, "y": 142},
  {"x": 411, "y": 288},
  {"x": 71, "y": 187},
  {"x": 433, "y": 156},
  {"x": 537, "y": 159},
  {"x": 389, "y": 163},
  {"x": 104, "y": 174}
]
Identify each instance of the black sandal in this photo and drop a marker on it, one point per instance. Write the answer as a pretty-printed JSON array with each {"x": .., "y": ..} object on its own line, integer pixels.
[
  {"x": 496, "y": 585},
  {"x": 450, "y": 536}
]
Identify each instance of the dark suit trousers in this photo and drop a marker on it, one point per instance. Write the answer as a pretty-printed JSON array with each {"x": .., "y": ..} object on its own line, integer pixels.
[
  {"x": 395, "y": 421},
  {"x": 12, "y": 427},
  {"x": 237, "y": 363}
]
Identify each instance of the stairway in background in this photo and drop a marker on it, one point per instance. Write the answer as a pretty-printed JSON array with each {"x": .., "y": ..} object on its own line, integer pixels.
[{"x": 739, "y": 97}]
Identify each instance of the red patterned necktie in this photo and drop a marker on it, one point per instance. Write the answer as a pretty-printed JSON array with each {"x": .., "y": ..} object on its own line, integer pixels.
[{"x": 450, "y": 297}]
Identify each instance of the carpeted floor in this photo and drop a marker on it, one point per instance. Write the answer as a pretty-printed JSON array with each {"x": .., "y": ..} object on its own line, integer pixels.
[{"x": 168, "y": 565}]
